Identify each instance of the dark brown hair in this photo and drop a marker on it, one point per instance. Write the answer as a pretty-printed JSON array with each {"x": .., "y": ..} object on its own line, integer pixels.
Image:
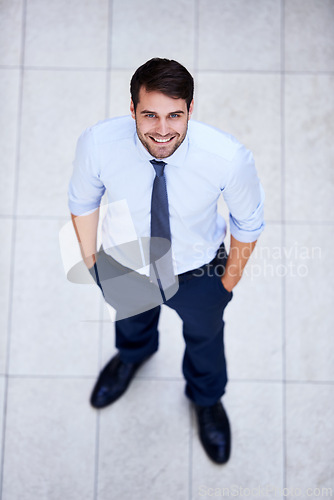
[{"x": 163, "y": 75}]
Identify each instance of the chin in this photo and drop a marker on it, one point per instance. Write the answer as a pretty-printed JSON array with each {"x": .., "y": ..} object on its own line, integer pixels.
[{"x": 162, "y": 152}]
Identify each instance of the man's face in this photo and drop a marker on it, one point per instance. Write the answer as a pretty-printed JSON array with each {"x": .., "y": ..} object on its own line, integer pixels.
[{"x": 161, "y": 122}]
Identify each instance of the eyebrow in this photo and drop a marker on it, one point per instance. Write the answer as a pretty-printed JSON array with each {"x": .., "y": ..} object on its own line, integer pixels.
[{"x": 146, "y": 111}]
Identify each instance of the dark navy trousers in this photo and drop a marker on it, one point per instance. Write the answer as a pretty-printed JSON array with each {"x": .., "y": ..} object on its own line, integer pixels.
[{"x": 200, "y": 302}]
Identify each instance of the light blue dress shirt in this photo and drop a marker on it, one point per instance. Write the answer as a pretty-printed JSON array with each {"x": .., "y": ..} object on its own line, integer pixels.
[{"x": 111, "y": 159}]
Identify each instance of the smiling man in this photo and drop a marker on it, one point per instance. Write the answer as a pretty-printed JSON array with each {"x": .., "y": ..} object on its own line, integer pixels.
[
  {"x": 161, "y": 123},
  {"x": 162, "y": 236}
]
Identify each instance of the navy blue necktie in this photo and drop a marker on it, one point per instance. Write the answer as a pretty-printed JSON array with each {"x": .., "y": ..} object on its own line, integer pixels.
[{"x": 160, "y": 243}]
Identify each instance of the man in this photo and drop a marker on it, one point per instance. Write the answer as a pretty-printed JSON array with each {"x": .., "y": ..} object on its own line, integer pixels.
[{"x": 163, "y": 176}]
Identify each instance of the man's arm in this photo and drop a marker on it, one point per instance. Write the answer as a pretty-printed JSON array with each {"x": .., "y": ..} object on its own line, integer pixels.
[
  {"x": 85, "y": 227},
  {"x": 236, "y": 262}
]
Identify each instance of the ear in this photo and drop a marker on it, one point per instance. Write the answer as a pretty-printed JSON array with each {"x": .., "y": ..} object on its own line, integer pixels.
[
  {"x": 132, "y": 110},
  {"x": 191, "y": 108}
]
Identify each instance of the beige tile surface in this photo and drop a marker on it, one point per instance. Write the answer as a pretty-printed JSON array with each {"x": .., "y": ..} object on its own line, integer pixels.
[
  {"x": 309, "y": 41},
  {"x": 5, "y": 256},
  {"x": 255, "y": 416},
  {"x": 248, "y": 107},
  {"x": 309, "y": 156},
  {"x": 57, "y": 107},
  {"x": 147, "y": 442},
  {"x": 50, "y": 440},
  {"x": 119, "y": 99},
  {"x": 239, "y": 35},
  {"x": 310, "y": 433},
  {"x": 67, "y": 34},
  {"x": 54, "y": 327},
  {"x": 253, "y": 326},
  {"x": 9, "y": 92},
  {"x": 152, "y": 30},
  {"x": 11, "y": 12},
  {"x": 309, "y": 303},
  {"x": 144, "y": 443}
]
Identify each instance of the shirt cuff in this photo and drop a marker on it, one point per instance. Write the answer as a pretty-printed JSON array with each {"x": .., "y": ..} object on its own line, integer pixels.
[
  {"x": 80, "y": 209},
  {"x": 244, "y": 235},
  {"x": 250, "y": 229}
]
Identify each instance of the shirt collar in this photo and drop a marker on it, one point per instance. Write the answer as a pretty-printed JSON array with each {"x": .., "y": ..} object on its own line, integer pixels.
[{"x": 176, "y": 159}]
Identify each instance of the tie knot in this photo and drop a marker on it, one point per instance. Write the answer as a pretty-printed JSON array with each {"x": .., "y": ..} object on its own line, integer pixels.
[{"x": 158, "y": 167}]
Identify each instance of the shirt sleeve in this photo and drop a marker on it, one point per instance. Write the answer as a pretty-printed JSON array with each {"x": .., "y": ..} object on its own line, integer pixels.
[
  {"x": 86, "y": 188},
  {"x": 244, "y": 196}
]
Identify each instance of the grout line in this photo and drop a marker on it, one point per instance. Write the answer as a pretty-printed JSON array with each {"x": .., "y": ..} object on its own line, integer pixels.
[
  {"x": 303, "y": 223},
  {"x": 97, "y": 433},
  {"x": 54, "y": 68},
  {"x": 109, "y": 59},
  {"x": 287, "y": 382},
  {"x": 212, "y": 70},
  {"x": 107, "y": 96},
  {"x": 13, "y": 243},
  {"x": 258, "y": 72},
  {"x": 97, "y": 456},
  {"x": 196, "y": 33},
  {"x": 190, "y": 409},
  {"x": 268, "y": 221},
  {"x": 32, "y": 376},
  {"x": 101, "y": 314},
  {"x": 29, "y": 376},
  {"x": 283, "y": 236},
  {"x": 35, "y": 217}
]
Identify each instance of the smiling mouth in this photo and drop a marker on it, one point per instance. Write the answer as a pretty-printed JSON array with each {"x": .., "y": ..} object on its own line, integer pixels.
[{"x": 161, "y": 141}]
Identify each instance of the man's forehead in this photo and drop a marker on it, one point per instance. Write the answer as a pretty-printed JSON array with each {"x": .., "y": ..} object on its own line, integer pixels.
[
  {"x": 176, "y": 111},
  {"x": 158, "y": 95}
]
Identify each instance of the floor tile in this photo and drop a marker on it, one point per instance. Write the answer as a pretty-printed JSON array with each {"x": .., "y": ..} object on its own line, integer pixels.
[
  {"x": 144, "y": 443},
  {"x": 55, "y": 327},
  {"x": 239, "y": 35},
  {"x": 67, "y": 34},
  {"x": 119, "y": 100},
  {"x": 50, "y": 440},
  {"x": 253, "y": 326},
  {"x": 309, "y": 438},
  {"x": 6, "y": 238},
  {"x": 57, "y": 107},
  {"x": 255, "y": 415},
  {"x": 153, "y": 30},
  {"x": 248, "y": 107},
  {"x": 309, "y": 303},
  {"x": 11, "y": 13},
  {"x": 309, "y": 40},
  {"x": 148, "y": 445},
  {"x": 9, "y": 92},
  {"x": 309, "y": 156}
]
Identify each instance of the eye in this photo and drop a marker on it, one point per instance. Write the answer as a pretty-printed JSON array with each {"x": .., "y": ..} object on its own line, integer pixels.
[
  {"x": 150, "y": 115},
  {"x": 174, "y": 115}
]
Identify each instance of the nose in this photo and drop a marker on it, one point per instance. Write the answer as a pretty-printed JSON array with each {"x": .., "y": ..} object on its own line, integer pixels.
[{"x": 162, "y": 127}]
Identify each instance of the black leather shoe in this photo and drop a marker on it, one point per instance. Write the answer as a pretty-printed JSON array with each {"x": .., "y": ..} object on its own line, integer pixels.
[
  {"x": 113, "y": 381},
  {"x": 214, "y": 431}
]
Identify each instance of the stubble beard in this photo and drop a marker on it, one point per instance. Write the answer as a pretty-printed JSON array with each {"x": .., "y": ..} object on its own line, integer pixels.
[{"x": 160, "y": 151}]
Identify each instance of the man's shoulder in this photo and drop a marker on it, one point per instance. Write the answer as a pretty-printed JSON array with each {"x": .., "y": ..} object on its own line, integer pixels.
[
  {"x": 113, "y": 129},
  {"x": 212, "y": 140}
]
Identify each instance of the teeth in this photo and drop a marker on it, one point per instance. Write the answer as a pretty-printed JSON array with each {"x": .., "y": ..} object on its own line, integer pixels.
[{"x": 162, "y": 140}]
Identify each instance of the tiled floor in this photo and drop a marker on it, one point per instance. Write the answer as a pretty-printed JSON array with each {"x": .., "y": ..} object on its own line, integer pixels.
[{"x": 264, "y": 72}]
